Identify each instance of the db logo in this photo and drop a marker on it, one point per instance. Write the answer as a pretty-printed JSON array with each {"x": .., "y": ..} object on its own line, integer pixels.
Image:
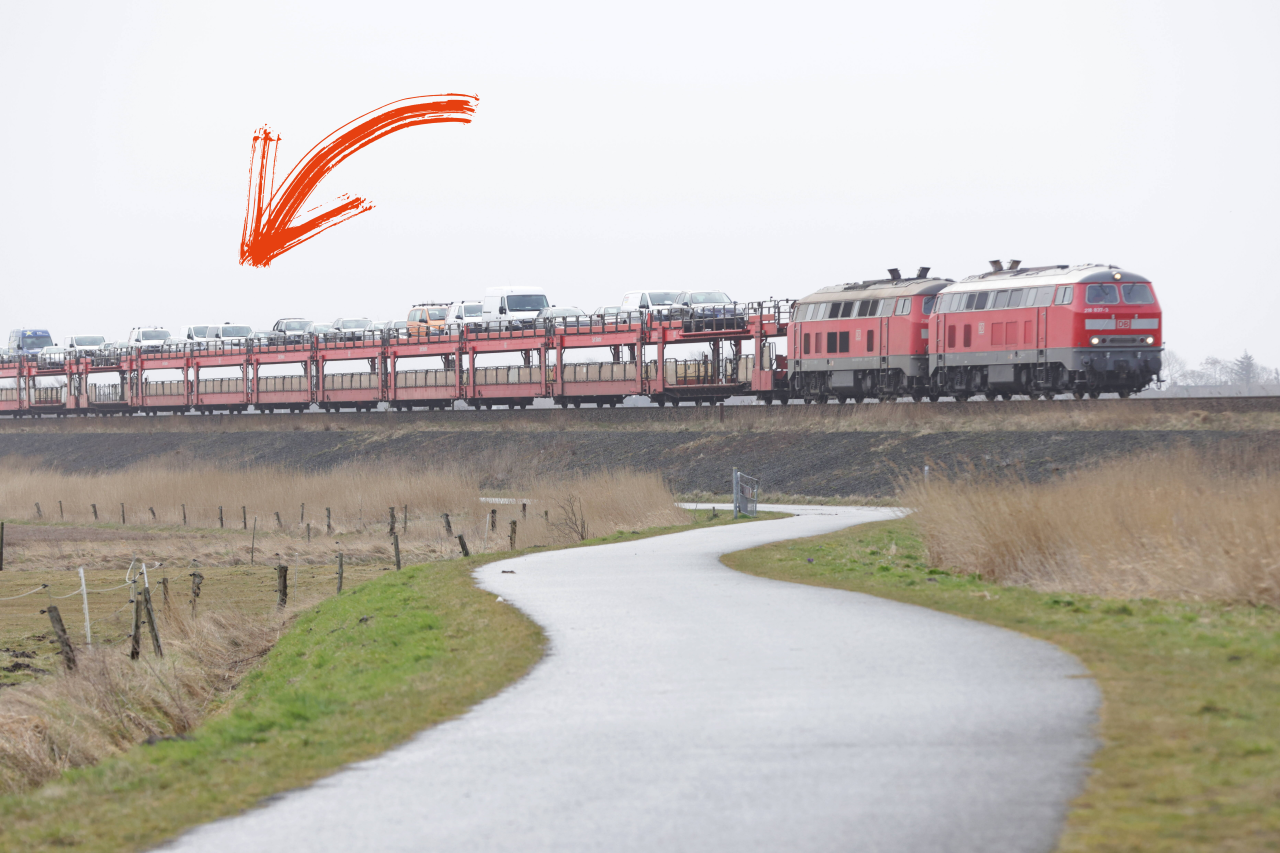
[
  {"x": 1123, "y": 324},
  {"x": 982, "y": 328}
]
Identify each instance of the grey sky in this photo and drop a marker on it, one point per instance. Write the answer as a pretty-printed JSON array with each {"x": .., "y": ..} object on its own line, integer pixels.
[{"x": 763, "y": 149}]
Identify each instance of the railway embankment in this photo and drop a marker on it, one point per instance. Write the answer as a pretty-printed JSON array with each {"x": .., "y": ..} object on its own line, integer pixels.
[{"x": 820, "y": 451}]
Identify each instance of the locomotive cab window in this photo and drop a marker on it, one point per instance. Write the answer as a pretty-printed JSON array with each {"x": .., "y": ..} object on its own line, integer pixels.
[
  {"x": 1015, "y": 298},
  {"x": 1065, "y": 294},
  {"x": 835, "y": 310},
  {"x": 846, "y": 309},
  {"x": 1102, "y": 294},
  {"x": 1044, "y": 295},
  {"x": 969, "y": 301},
  {"x": 1137, "y": 294},
  {"x": 904, "y": 306},
  {"x": 1002, "y": 299},
  {"x": 981, "y": 303},
  {"x": 926, "y": 305}
]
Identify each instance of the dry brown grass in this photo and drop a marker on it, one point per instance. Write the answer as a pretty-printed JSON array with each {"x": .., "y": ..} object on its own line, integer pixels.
[
  {"x": 358, "y": 497},
  {"x": 109, "y": 703},
  {"x": 1178, "y": 526}
]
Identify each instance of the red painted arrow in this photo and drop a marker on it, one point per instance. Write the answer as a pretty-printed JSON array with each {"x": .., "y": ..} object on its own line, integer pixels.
[{"x": 271, "y": 223}]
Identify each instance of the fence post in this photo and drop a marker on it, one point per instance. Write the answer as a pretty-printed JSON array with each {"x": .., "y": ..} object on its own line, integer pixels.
[
  {"x": 328, "y": 521},
  {"x": 244, "y": 517},
  {"x": 524, "y": 510},
  {"x": 64, "y": 642},
  {"x": 462, "y": 543},
  {"x": 448, "y": 528},
  {"x": 404, "y": 519},
  {"x": 735, "y": 492},
  {"x": 39, "y": 513},
  {"x": 184, "y": 515},
  {"x": 278, "y": 522},
  {"x": 153, "y": 512},
  {"x": 493, "y": 519},
  {"x": 95, "y": 511},
  {"x": 395, "y": 543},
  {"x": 282, "y": 585},
  {"x": 339, "y": 571},
  {"x": 391, "y": 513},
  {"x": 253, "y": 542},
  {"x": 196, "y": 580},
  {"x": 122, "y": 521},
  {"x": 220, "y": 524},
  {"x": 302, "y": 514},
  {"x": 1, "y": 546},
  {"x": 84, "y": 601},
  {"x": 135, "y": 639},
  {"x": 308, "y": 531},
  {"x": 151, "y": 623},
  {"x": 513, "y": 534},
  {"x": 164, "y": 589},
  {"x": 61, "y": 517}
]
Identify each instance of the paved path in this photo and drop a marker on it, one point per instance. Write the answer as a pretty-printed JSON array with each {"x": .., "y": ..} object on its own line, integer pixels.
[{"x": 686, "y": 707}]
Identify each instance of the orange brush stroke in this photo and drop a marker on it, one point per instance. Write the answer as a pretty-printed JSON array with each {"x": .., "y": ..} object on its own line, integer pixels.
[{"x": 271, "y": 225}]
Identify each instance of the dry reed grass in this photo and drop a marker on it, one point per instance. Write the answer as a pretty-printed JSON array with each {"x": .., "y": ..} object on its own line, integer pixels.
[
  {"x": 1181, "y": 525},
  {"x": 358, "y": 497},
  {"x": 109, "y": 703}
]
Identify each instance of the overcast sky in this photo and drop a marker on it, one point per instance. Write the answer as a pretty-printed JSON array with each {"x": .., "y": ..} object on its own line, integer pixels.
[{"x": 762, "y": 149}]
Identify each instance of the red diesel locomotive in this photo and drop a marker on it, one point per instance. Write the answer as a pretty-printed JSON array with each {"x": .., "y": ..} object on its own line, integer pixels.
[{"x": 1037, "y": 331}]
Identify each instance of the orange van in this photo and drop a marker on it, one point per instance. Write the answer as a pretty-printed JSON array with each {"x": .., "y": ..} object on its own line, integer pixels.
[{"x": 426, "y": 316}]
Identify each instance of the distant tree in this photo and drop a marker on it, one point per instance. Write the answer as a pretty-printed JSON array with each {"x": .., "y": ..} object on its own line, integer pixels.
[
  {"x": 1245, "y": 370},
  {"x": 1175, "y": 369}
]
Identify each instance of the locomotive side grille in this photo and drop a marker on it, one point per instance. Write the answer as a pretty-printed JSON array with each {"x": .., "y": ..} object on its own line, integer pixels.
[{"x": 1122, "y": 341}]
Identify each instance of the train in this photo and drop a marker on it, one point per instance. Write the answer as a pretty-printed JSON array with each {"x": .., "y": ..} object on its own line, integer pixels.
[{"x": 1030, "y": 331}]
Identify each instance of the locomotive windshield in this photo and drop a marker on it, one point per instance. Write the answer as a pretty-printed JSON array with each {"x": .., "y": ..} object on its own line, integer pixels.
[
  {"x": 1137, "y": 294},
  {"x": 927, "y": 305},
  {"x": 1102, "y": 294}
]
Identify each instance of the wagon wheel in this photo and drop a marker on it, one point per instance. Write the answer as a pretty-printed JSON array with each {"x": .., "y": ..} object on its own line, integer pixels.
[
  {"x": 1124, "y": 393},
  {"x": 990, "y": 395},
  {"x": 933, "y": 398},
  {"x": 916, "y": 396},
  {"x": 1093, "y": 395},
  {"x": 1006, "y": 397},
  {"x": 1079, "y": 395}
]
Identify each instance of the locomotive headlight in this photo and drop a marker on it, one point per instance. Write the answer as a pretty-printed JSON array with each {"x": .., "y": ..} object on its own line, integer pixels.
[
  {"x": 1095, "y": 341},
  {"x": 1150, "y": 340}
]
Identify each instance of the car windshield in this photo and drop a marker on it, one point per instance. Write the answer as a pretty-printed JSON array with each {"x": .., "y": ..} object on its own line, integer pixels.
[
  {"x": 296, "y": 325},
  {"x": 89, "y": 340},
  {"x": 440, "y": 313},
  {"x": 526, "y": 302},
  {"x": 321, "y": 328},
  {"x": 658, "y": 298},
  {"x": 356, "y": 324},
  {"x": 235, "y": 332},
  {"x": 153, "y": 335},
  {"x": 707, "y": 297},
  {"x": 199, "y": 331},
  {"x": 1137, "y": 294},
  {"x": 36, "y": 340},
  {"x": 1101, "y": 294},
  {"x": 476, "y": 310},
  {"x": 562, "y": 312}
]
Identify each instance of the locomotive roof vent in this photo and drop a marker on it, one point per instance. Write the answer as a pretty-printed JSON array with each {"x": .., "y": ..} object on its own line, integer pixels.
[
  {"x": 894, "y": 275},
  {"x": 923, "y": 272},
  {"x": 996, "y": 266},
  {"x": 1013, "y": 265}
]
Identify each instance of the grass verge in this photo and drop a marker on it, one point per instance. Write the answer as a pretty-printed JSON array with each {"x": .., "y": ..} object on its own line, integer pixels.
[
  {"x": 355, "y": 675},
  {"x": 1191, "y": 716}
]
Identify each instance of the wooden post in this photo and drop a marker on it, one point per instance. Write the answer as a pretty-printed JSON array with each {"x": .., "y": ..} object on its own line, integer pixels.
[
  {"x": 164, "y": 588},
  {"x": 339, "y": 571},
  {"x": 220, "y": 524},
  {"x": 448, "y": 528},
  {"x": 61, "y": 517},
  {"x": 253, "y": 542},
  {"x": 391, "y": 513},
  {"x": 153, "y": 513},
  {"x": 395, "y": 543},
  {"x": 196, "y": 580},
  {"x": 184, "y": 515},
  {"x": 279, "y": 524},
  {"x": 328, "y": 521},
  {"x": 244, "y": 517},
  {"x": 524, "y": 510},
  {"x": 462, "y": 543},
  {"x": 282, "y": 585},
  {"x": 135, "y": 639},
  {"x": 513, "y": 534},
  {"x": 95, "y": 511},
  {"x": 308, "y": 531},
  {"x": 64, "y": 642},
  {"x": 1, "y": 546},
  {"x": 151, "y": 623},
  {"x": 122, "y": 521},
  {"x": 302, "y": 515},
  {"x": 546, "y": 516},
  {"x": 404, "y": 519},
  {"x": 39, "y": 513},
  {"x": 493, "y": 520}
]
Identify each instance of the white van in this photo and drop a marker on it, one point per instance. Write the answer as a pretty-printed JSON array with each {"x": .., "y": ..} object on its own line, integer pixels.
[
  {"x": 465, "y": 313},
  {"x": 649, "y": 300},
  {"x": 148, "y": 337},
  {"x": 509, "y": 305},
  {"x": 228, "y": 334}
]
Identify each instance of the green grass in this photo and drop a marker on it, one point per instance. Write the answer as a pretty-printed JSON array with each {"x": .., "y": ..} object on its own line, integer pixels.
[
  {"x": 354, "y": 675},
  {"x": 1191, "y": 718}
]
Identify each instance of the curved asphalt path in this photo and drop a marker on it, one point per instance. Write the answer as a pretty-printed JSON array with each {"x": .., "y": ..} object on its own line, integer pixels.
[{"x": 685, "y": 706}]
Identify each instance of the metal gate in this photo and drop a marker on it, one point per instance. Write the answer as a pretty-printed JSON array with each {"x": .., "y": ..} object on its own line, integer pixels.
[{"x": 746, "y": 494}]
